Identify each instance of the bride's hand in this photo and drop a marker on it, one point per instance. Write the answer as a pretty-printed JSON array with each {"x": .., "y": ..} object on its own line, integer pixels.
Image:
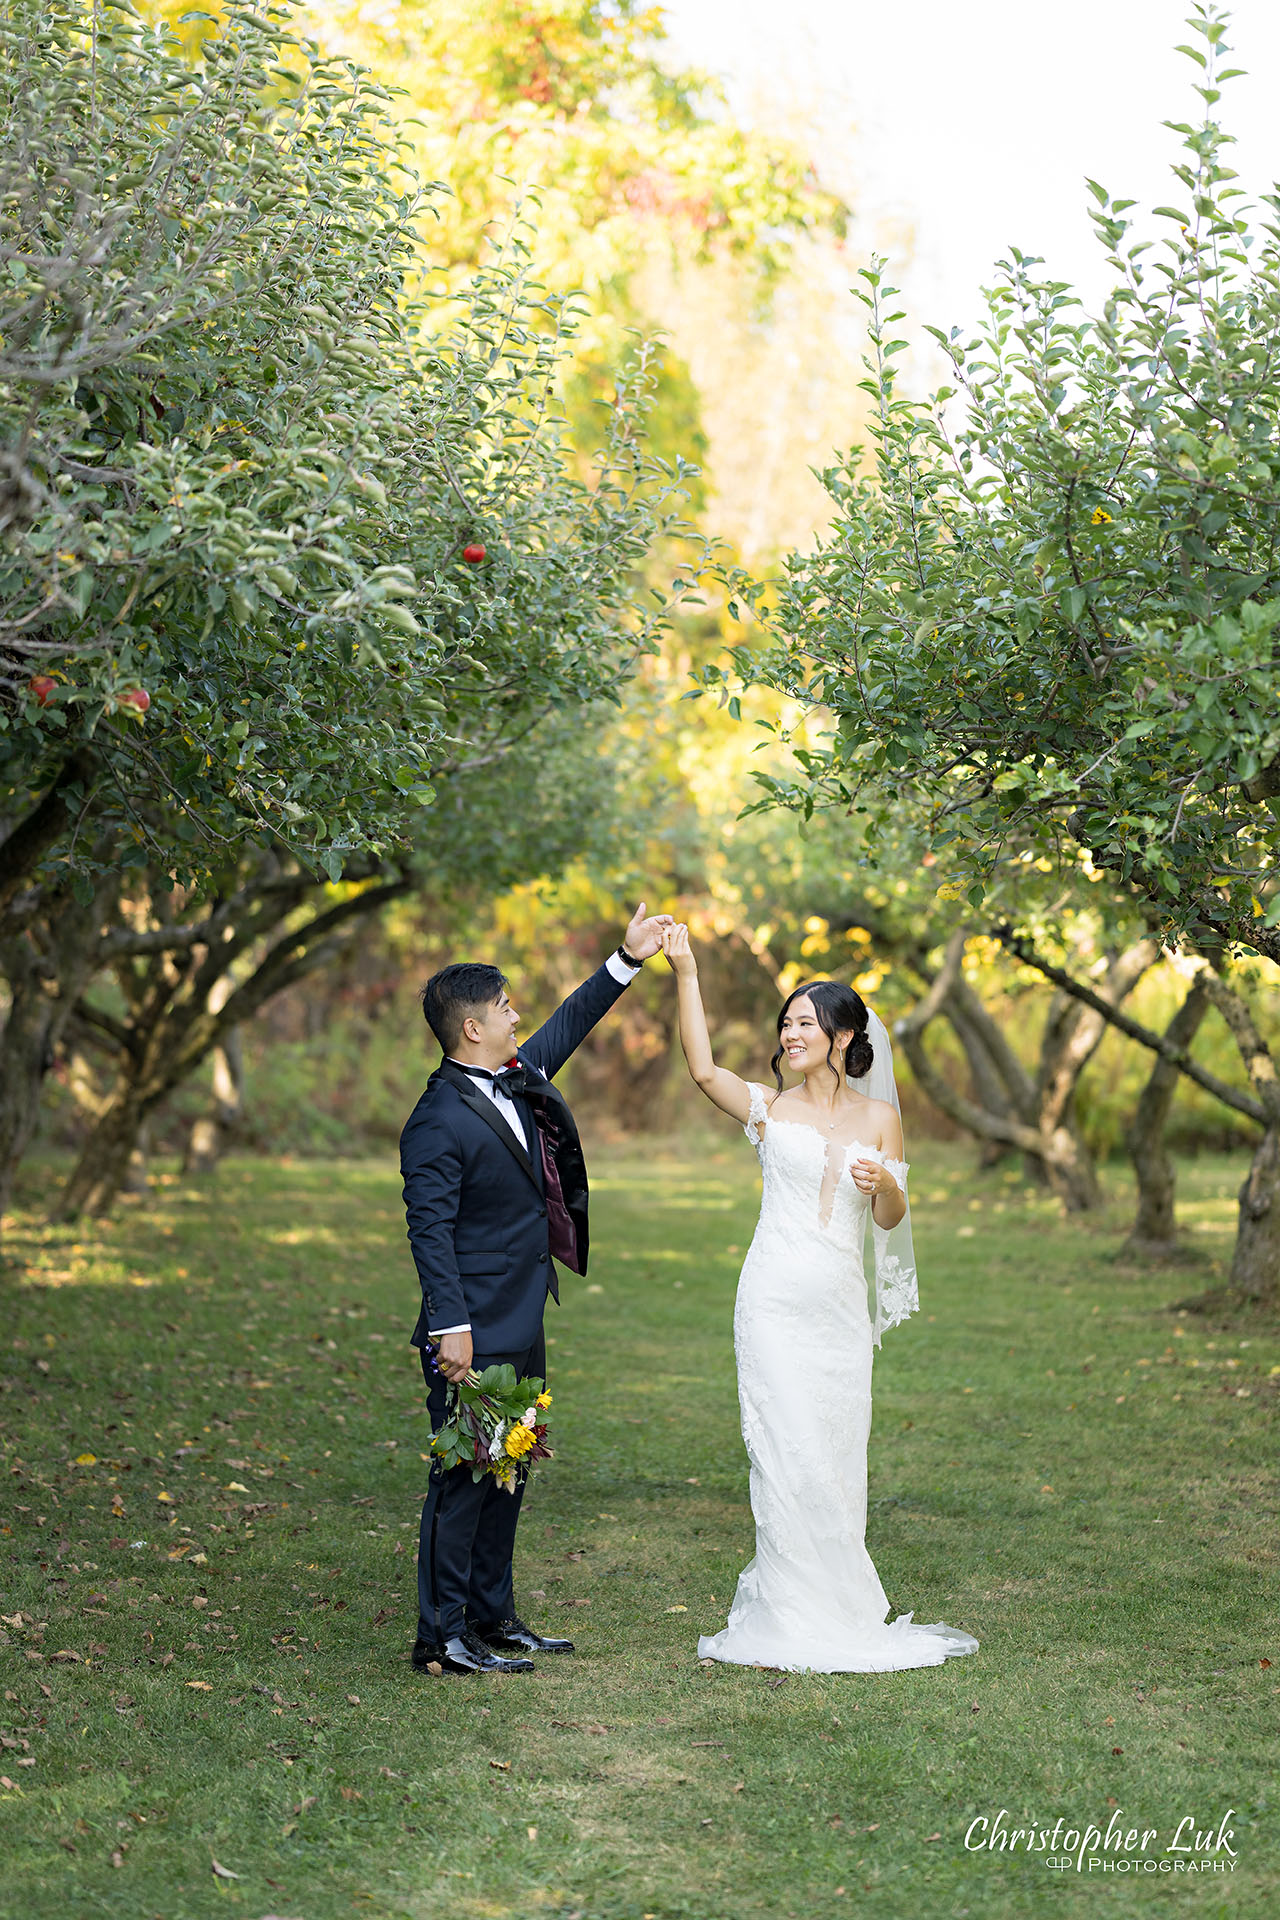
[
  {"x": 870, "y": 1177},
  {"x": 675, "y": 945}
]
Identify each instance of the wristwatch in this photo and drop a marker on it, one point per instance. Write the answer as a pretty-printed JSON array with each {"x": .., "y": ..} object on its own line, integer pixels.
[{"x": 629, "y": 958}]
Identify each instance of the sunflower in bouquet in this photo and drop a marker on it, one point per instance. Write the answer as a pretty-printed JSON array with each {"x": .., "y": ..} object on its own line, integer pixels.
[{"x": 495, "y": 1424}]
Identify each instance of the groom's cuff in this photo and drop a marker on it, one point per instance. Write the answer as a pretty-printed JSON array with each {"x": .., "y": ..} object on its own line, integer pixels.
[
  {"x": 618, "y": 967},
  {"x": 438, "y": 1333}
]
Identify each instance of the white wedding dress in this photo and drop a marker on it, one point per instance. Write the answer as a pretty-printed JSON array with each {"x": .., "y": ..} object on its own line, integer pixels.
[{"x": 811, "y": 1598}]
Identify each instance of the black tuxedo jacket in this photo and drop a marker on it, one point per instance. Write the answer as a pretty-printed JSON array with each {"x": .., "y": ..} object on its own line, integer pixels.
[{"x": 475, "y": 1200}]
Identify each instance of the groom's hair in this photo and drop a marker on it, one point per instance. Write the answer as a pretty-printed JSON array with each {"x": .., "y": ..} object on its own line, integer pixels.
[{"x": 455, "y": 992}]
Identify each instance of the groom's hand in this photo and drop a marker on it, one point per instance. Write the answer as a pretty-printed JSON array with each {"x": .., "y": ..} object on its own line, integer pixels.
[
  {"x": 643, "y": 937},
  {"x": 454, "y": 1355}
]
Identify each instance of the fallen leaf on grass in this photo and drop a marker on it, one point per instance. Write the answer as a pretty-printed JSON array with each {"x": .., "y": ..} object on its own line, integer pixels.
[
  {"x": 10, "y": 1786},
  {"x": 706, "y": 1743},
  {"x": 1264, "y": 1663},
  {"x": 676, "y": 1609},
  {"x": 202, "y": 1686},
  {"x": 235, "y": 1486},
  {"x": 932, "y": 1836},
  {"x": 532, "y": 1832},
  {"x": 353, "y": 1699},
  {"x": 596, "y": 1729},
  {"x": 117, "y": 1858},
  {"x": 738, "y": 1786},
  {"x": 503, "y": 1766},
  {"x": 66, "y": 1655},
  {"x": 350, "y": 1793},
  {"x": 223, "y": 1873}
]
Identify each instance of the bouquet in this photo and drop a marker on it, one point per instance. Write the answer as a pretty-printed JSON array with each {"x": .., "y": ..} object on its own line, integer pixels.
[{"x": 494, "y": 1424}]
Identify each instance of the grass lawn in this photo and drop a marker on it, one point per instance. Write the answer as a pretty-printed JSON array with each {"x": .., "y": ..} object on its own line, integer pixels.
[{"x": 214, "y": 1448}]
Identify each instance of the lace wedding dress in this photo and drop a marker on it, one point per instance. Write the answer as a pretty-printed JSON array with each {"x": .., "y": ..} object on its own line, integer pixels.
[{"x": 811, "y": 1598}]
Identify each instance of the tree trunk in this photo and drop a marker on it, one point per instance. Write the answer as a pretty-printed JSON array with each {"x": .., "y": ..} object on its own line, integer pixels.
[
  {"x": 214, "y": 1131},
  {"x": 1038, "y": 1120},
  {"x": 103, "y": 1167},
  {"x": 1069, "y": 1169},
  {"x": 176, "y": 1019},
  {"x": 1255, "y": 1267},
  {"x": 1073, "y": 1034},
  {"x": 1154, "y": 1235},
  {"x": 47, "y": 966}
]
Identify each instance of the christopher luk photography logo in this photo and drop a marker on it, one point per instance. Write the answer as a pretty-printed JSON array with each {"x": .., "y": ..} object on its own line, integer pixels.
[{"x": 1189, "y": 1845}]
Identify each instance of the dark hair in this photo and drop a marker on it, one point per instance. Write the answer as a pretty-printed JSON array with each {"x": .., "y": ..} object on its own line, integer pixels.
[
  {"x": 838, "y": 1009},
  {"x": 452, "y": 994}
]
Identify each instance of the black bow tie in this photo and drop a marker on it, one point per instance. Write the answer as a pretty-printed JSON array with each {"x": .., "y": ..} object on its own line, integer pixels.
[{"x": 509, "y": 1080}]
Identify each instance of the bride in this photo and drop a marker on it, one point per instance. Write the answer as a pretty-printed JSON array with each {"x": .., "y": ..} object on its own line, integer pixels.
[{"x": 831, "y": 1151}]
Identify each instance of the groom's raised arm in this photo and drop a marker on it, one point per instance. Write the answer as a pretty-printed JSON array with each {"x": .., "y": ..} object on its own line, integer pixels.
[
  {"x": 431, "y": 1168},
  {"x": 574, "y": 1018}
]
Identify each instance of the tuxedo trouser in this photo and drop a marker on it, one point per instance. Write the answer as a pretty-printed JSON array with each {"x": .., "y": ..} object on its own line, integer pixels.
[{"x": 468, "y": 1529}]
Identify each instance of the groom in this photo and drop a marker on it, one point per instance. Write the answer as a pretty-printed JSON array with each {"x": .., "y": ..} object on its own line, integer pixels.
[{"x": 494, "y": 1186}]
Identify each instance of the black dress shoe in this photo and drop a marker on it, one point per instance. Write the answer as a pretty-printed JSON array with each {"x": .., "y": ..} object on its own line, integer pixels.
[
  {"x": 510, "y": 1636},
  {"x": 465, "y": 1653}
]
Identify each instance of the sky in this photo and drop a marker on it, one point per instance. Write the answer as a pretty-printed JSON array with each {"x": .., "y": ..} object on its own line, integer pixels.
[{"x": 959, "y": 130}]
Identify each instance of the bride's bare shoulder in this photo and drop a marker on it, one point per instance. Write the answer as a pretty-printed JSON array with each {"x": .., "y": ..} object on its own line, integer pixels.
[{"x": 884, "y": 1120}]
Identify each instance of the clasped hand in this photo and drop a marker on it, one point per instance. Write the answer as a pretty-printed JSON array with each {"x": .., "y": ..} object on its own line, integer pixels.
[{"x": 870, "y": 1177}]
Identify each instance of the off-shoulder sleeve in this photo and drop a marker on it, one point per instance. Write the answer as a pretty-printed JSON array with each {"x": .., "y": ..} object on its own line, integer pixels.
[
  {"x": 898, "y": 1168},
  {"x": 754, "y": 1124}
]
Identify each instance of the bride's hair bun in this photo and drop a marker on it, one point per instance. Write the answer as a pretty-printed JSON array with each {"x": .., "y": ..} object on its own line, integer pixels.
[
  {"x": 859, "y": 1053},
  {"x": 839, "y": 1009}
]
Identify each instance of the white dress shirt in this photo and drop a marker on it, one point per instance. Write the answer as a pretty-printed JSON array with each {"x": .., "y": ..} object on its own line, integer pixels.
[{"x": 507, "y": 1107}]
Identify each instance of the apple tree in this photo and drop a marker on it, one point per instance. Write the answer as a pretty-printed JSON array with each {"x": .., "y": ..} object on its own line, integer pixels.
[
  {"x": 1049, "y": 602},
  {"x": 282, "y": 553}
]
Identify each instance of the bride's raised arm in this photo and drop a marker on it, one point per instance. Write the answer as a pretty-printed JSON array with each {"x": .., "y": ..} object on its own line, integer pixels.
[{"x": 730, "y": 1094}]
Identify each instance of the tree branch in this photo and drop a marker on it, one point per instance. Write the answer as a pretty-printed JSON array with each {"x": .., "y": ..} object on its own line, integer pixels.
[
  {"x": 23, "y": 849},
  {"x": 1177, "y": 1056}
]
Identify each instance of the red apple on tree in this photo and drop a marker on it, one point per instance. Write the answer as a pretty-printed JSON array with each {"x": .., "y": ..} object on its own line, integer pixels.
[
  {"x": 42, "y": 688},
  {"x": 138, "y": 698},
  {"x": 473, "y": 554}
]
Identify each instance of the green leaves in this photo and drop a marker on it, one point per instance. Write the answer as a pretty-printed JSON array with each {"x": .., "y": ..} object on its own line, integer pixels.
[
  {"x": 1056, "y": 620},
  {"x": 254, "y": 451}
]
